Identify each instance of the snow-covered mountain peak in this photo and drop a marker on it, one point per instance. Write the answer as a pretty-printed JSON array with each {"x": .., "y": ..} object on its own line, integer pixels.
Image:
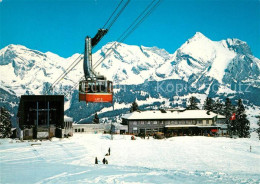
[
  {"x": 8, "y": 53},
  {"x": 199, "y": 47},
  {"x": 237, "y": 45},
  {"x": 198, "y": 36},
  {"x": 14, "y": 47},
  {"x": 200, "y": 56}
]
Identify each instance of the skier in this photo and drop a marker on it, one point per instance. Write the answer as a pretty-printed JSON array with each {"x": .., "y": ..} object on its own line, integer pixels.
[
  {"x": 104, "y": 160},
  {"x": 109, "y": 151},
  {"x": 250, "y": 148},
  {"x": 96, "y": 160}
]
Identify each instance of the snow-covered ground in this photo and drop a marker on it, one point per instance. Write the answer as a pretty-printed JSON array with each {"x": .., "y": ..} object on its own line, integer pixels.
[{"x": 175, "y": 160}]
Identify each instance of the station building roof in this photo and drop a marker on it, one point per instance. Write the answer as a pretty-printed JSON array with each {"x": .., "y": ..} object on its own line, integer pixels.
[{"x": 171, "y": 115}]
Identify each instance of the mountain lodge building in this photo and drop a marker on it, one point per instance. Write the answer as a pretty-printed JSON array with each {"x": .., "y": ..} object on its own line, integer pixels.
[{"x": 174, "y": 122}]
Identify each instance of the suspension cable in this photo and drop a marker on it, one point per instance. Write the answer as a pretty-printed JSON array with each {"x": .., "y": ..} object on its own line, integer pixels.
[
  {"x": 148, "y": 11},
  {"x": 62, "y": 76},
  {"x": 123, "y": 36},
  {"x": 125, "y": 31},
  {"x": 118, "y": 14},
  {"x": 75, "y": 63},
  {"x": 112, "y": 14},
  {"x": 75, "y": 85}
]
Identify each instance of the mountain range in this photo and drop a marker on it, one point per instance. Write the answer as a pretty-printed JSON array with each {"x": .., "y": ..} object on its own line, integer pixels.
[{"x": 152, "y": 76}]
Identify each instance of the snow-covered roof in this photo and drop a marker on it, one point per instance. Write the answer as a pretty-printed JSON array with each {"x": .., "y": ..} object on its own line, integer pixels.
[
  {"x": 66, "y": 118},
  {"x": 157, "y": 114}
]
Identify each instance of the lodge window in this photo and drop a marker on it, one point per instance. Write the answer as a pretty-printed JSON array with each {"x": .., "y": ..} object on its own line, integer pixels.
[
  {"x": 76, "y": 130},
  {"x": 199, "y": 121},
  {"x": 155, "y": 122},
  {"x": 207, "y": 121},
  {"x": 142, "y": 122},
  {"x": 188, "y": 122},
  {"x": 82, "y": 130},
  {"x": 134, "y": 123},
  {"x": 148, "y": 122}
]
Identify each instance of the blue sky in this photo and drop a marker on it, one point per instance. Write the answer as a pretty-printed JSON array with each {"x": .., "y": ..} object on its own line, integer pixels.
[{"x": 60, "y": 26}]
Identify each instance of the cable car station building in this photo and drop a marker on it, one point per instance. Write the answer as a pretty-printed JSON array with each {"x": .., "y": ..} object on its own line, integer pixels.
[
  {"x": 42, "y": 116},
  {"x": 174, "y": 122}
]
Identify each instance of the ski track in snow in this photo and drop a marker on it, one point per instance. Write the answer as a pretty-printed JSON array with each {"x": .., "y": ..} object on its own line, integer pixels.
[{"x": 174, "y": 160}]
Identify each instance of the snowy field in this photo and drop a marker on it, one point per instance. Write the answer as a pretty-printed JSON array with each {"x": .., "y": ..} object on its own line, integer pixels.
[{"x": 174, "y": 160}]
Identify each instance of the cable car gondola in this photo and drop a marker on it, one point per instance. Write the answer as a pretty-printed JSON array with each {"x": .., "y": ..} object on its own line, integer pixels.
[
  {"x": 95, "y": 88},
  {"x": 96, "y": 91}
]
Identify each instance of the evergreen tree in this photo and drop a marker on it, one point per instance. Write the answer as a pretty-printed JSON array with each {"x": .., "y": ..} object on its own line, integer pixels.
[
  {"x": 96, "y": 119},
  {"x": 242, "y": 124},
  {"x": 5, "y": 123},
  {"x": 258, "y": 129},
  {"x": 228, "y": 110},
  {"x": 208, "y": 104},
  {"x": 134, "y": 107},
  {"x": 193, "y": 103},
  {"x": 218, "y": 107}
]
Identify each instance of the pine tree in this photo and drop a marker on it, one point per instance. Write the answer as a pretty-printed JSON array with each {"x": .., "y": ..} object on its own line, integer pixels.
[
  {"x": 208, "y": 104},
  {"x": 228, "y": 110},
  {"x": 134, "y": 107},
  {"x": 258, "y": 129},
  {"x": 5, "y": 123},
  {"x": 193, "y": 103},
  {"x": 96, "y": 119},
  {"x": 242, "y": 124},
  {"x": 218, "y": 107}
]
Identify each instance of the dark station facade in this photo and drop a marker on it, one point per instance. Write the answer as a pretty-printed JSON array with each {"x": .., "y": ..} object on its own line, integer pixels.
[{"x": 41, "y": 116}]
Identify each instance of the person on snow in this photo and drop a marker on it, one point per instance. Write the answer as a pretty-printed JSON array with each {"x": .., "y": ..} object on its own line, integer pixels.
[
  {"x": 96, "y": 160},
  {"x": 109, "y": 151},
  {"x": 104, "y": 160}
]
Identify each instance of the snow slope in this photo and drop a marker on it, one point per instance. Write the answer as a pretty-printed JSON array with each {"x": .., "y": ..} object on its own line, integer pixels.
[{"x": 174, "y": 160}]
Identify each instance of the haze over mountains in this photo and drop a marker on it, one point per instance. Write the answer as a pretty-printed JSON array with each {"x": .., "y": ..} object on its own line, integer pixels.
[{"x": 147, "y": 74}]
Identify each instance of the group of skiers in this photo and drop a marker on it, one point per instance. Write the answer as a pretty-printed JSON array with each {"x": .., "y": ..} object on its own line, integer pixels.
[{"x": 104, "y": 161}]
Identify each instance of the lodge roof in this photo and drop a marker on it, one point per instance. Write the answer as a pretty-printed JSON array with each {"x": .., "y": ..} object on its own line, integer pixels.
[{"x": 170, "y": 114}]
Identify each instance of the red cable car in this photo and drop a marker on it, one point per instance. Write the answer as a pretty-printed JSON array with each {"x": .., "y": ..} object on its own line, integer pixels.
[
  {"x": 95, "y": 88},
  {"x": 96, "y": 91}
]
